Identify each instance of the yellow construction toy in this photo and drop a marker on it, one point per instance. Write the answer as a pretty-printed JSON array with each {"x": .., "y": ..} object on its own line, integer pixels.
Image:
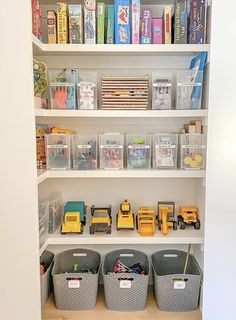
[
  {"x": 61, "y": 131},
  {"x": 166, "y": 216},
  {"x": 145, "y": 221},
  {"x": 125, "y": 217},
  {"x": 72, "y": 223},
  {"x": 100, "y": 220},
  {"x": 188, "y": 216}
]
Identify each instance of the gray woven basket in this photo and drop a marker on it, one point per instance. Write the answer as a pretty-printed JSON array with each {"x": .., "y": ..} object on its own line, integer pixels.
[
  {"x": 125, "y": 299},
  {"x": 46, "y": 278},
  {"x": 173, "y": 290},
  {"x": 85, "y": 295}
]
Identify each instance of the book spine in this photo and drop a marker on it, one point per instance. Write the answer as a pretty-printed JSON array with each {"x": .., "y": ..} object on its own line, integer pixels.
[
  {"x": 52, "y": 27},
  {"x": 100, "y": 22},
  {"x": 34, "y": 24},
  {"x": 110, "y": 24},
  {"x": 40, "y": 30},
  {"x": 62, "y": 28},
  {"x": 146, "y": 26},
  {"x": 89, "y": 21},
  {"x": 135, "y": 21},
  {"x": 122, "y": 21},
  {"x": 180, "y": 24},
  {"x": 197, "y": 21},
  {"x": 75, "y": 23},
  {"x": 157, "y": 33},
  {"x": 167, "y": 24}
]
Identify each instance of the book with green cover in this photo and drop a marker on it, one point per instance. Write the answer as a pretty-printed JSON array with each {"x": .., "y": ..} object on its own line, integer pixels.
[{"x": 100, "y": 22}]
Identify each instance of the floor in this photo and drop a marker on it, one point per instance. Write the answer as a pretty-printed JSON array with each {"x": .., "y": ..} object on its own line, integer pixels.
[{"x": 151, "y": 312}]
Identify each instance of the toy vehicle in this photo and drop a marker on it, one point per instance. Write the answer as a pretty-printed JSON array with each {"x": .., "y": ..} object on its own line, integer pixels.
[
  {"x": 61, "y": 131},
  {"x": 101, "y": 220},
  {"x": 125, "y": 217},
  {"x": 145, "y": 221},
  {"x": 166, "y": 216},
  {"x": 188, "y": 216},
  {"x": 74, "y": 217}
]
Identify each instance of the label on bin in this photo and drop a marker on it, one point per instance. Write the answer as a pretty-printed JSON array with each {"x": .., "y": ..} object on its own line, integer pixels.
[
  {"x": 125, "y": 284},
  {"x": 73, "y": 284},
  {"x": 179, "y": 284}
]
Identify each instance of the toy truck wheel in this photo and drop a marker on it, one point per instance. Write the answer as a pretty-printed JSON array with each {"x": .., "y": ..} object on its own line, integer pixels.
[
  {"x": 182, "y": 225},
  {"x": 117, "y": 222},
  {"x": 179, "y": 219},
  {"x": 159, "y": 225},
  {"x": 174, "y": 225},
  {"x": 136, "y": 220},
  {"x": 91, "y": 230},
  {"x": 81, "y": 229},
  {"x": 108, "y": 231},
  {"x": 84, "y": 221},
  {"x": 197, "y": 225}
]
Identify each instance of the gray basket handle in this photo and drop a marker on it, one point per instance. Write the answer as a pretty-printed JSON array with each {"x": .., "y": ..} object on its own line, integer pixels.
[
  {"x": 126, "y": 255},
  {"x": 126, "y": 278},
  {"x": 75, "y": 278},
  {"x": 80, "y": 254},
  {"x": 170, "y": 255}
]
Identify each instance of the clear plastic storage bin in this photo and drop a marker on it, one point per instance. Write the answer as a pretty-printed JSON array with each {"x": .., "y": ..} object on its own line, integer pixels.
[
  {"x": 43, "y": 222},
  {"x": 189, "y": 90},
  {"x": 161, "y": 91},
  {"x": 192, "y": 151},
  {"x": 84, "y": 148},
  {"x": 87, "y": 91},
  {"x": 63, "y": 95},
  {"x": 55, "y": 212},
  {"x": 58, "y": 151},
  {"x": 139, "y": 151},
  {"x": 111, "y": 150},
  {"x": 165, "y": 151}
]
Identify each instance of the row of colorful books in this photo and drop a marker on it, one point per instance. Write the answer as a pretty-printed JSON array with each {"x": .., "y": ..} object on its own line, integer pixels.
[{"x": 125, "y": 22}]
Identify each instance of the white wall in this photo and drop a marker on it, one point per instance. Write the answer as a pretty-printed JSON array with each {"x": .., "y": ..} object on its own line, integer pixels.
[
  {"x": 19, "y": 266},
  {"x": 220, "y": 231}
]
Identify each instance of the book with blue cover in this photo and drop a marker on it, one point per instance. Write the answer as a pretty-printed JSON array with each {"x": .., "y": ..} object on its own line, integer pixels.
[
  {"x": 122, "y": 21},
  {"x": 197, "y": 24},
  {"x": 180, "y": 22},
  {"x": 110, "y": 24}
]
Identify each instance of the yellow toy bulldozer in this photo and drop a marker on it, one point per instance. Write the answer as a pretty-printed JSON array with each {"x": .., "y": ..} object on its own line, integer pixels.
[
  {"x": 166, "y": 217},
  {"x": 145, "y": 221},
  {"x": 125, "y": 217},
  {"x": 188, "y": 216}
]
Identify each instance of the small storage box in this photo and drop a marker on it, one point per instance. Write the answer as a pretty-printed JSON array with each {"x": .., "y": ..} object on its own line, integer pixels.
[
  {"x": 46, "y": 278},
  {"x": 161, "y": 91},
  {"x": 55, "y": 213},
  {"x": 125, "y": 291},
  {"x": 63, "y": 95},
  {"x": 165, "y": 151},
  {"x": 138, "y": 151},
  {"x": 173, "y": 290},
  {"x": 189, "y": 90},
  {"x": 87, "y": 91},
  {"x": 84, "y": 148},
  {"x": 43, "y": 222},
  {"x": 58, "y": 152},
  {"x": 192, "y": 151},
  {"x": 76, "y": 290},
  {"x": 111, "y": 151}
]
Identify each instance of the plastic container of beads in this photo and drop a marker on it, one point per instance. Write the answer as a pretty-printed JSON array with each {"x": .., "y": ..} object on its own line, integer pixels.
[
  {"x": 84, "y": 152},
  {"x": 111, "y": 151},
  {"x": 139, "y": 151}
]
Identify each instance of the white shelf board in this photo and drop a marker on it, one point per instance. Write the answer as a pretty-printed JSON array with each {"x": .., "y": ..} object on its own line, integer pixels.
[
  {"x": 40, "y": 49},
  {"x": 121, "y": 113},
  {"x": 41, "y": 175},
  {"x": 121, "y": 174},
  {"x": 187, "y": 236}
]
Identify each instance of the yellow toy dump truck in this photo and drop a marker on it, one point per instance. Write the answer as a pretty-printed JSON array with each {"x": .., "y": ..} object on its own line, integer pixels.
[
  {"x": 145, "y": 221},
  {"x": 101, "y": 220},
  {"x": 166, "y": 216},
  {"x": 74, "y": 217},
  {"x": 125, "y": 217},
  {"x": 188, "y": 216}
]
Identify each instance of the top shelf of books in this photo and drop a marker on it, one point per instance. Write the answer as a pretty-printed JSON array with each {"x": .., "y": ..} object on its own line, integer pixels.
[{"x": 42, "y": 49}]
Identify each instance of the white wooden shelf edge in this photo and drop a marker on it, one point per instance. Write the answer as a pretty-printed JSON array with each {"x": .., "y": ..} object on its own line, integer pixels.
[
  {"x": 43, "y": 247},
  {"x": 121, "y": 114},
  {"x": 122, "y": 174}
]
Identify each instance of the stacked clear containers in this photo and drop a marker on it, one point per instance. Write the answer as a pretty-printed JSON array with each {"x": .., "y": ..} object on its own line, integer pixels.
[
  {"x": 63, "y": 88},
  {"x": 161, "y": 91},
  {"x": 84, "y": 149},
  {"x": 192, "y": 151},
  {"x": 138, "y": 151},
  {"x": 87, "y": 91},
  {"x": 111, "y": 150},
  {"x": 165, "y": 151},
  {"x": 58, "y": 151},
  {"x": 43, "y": 222},
  {"x": 189, "y": 90}
]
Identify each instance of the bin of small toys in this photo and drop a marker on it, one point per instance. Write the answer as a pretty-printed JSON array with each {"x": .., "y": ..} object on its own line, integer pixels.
[
  {"x": 175, "y": 291},
  {"x": 75, "y": 279},
  {"x": 161, "y": 91},
  {"x": 87, "y": 91},
  {"x": 46, "y": 263},
  {"x": 84, "y": 150},
  {"x": 192, "y": 151},
  {"x": 125, "y": 274},
  {"x": 111, "y": 150},
  {"x": 138, "y": 151},
  {"x": 58, "y": 153},
  {"x": 165, "y": 151}
]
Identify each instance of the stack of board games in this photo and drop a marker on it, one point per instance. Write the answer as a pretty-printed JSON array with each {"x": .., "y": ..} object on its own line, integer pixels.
[{"x": 124, "y": 93}]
